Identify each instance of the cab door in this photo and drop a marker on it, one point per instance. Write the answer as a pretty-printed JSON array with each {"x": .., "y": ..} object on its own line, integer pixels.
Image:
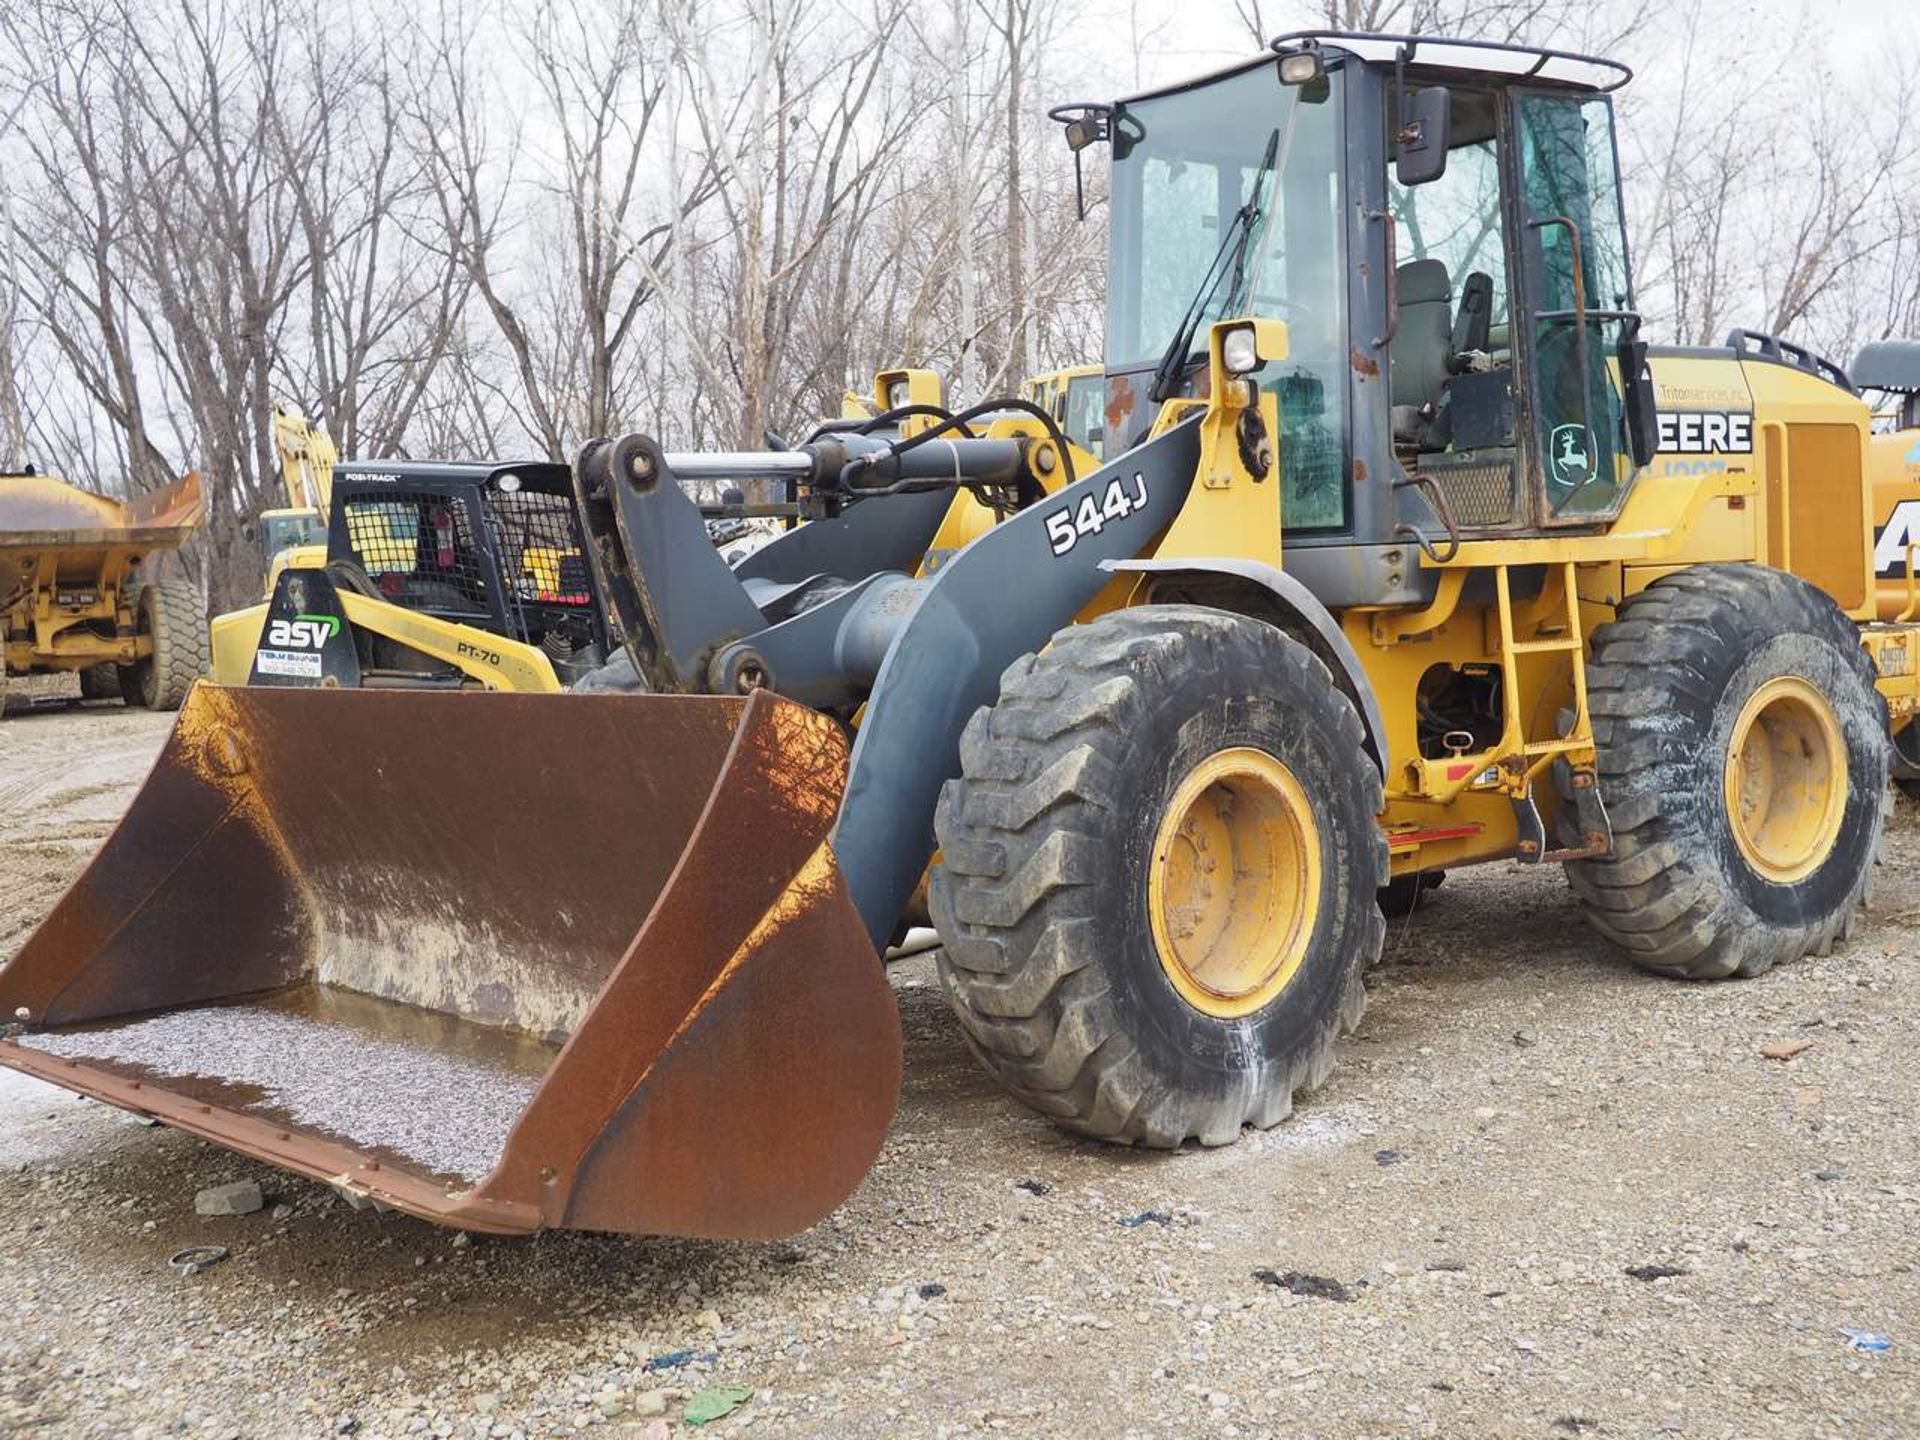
[{"x": 1578, "y": 295}]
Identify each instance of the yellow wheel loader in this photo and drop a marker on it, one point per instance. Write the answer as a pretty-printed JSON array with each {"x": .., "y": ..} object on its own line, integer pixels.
[
  {"x": 74, "y": 593},
  {"x": 434, "y": 576},
  {"x": 1076, "y": 398},
  {"x": 1409, "y": 552},
  {"x": 1891, "y": 369}
]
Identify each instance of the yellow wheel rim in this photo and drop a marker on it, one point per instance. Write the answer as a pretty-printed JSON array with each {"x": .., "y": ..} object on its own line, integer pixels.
[
  {"x": 1786, "y": 780},
  {"x": 1234, "y": 885}
]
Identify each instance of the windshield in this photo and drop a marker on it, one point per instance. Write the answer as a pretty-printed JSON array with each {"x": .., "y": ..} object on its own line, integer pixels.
[
  {"x": 290, "y": 528},
  {"x": 1086, "y": 418},
  {"x": 1185, "y": 166}
]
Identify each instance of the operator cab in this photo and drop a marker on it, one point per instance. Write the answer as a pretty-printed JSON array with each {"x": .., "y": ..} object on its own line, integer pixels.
[
  {"x": 1439, "y": 224},
  {"x": 493, "y": 546}
]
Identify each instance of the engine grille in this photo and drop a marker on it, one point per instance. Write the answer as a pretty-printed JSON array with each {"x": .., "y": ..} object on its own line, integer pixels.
[{"x": 1481, "y": 493}]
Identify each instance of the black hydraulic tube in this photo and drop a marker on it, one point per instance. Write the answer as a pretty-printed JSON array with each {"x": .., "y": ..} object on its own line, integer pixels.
[
  {"x": 850, "y": 475},
  {"x": 951, "y": 463}
]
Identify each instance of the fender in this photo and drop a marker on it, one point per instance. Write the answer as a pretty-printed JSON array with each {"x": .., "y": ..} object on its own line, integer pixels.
[{"x": 1324, "y": 635}]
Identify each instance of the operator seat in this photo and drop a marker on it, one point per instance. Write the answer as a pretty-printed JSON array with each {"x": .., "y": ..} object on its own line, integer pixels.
[
  {"x": 1473, "y": 326},
  {"x": 1422, "y": 350}
]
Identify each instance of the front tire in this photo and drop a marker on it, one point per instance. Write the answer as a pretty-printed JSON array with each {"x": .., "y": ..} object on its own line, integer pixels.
[
  {"x": 1743, "y": 758},
  {"x": 1158, "y": 876}
]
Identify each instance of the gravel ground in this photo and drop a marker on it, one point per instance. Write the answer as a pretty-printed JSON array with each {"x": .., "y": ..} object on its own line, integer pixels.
[{"x": 1521, "y": 1122}]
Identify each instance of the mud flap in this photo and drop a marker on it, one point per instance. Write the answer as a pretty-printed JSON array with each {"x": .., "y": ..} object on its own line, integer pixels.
[{"x": 501, "y": 961}]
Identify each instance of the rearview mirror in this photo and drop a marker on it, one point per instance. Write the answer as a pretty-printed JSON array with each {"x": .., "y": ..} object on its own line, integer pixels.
[
  {"x": 1426, "y": 125},
  {"x": 1642, "y": 405}
]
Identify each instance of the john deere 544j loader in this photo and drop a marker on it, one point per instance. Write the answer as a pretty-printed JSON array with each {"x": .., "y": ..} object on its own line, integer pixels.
[{"x": 1409, "y": 553}]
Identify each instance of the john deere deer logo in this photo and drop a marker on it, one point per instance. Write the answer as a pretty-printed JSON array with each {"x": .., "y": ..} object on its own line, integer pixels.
[{"x": 1571, "y": 456}]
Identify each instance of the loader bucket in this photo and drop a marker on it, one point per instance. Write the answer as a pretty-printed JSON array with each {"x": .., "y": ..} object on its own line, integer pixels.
[{"x": 501, "y": 961}]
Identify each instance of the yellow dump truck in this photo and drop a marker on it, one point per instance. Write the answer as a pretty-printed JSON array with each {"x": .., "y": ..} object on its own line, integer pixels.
[{"x": 74, "y": 593}]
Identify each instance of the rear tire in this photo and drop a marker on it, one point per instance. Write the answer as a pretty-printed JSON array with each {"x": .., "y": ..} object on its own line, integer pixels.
[
  {"x": 174, "y": 616},
  {"x": 100, "y": 682},
  {"x": 1743, "y": 758},
  {"x": 1102, "y": 968}
]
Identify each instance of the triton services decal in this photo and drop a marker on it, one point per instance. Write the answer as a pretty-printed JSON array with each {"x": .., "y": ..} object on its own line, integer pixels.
[{"x": 1706, "y": 432}]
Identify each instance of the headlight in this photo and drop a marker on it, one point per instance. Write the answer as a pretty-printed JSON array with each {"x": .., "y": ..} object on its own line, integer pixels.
[
  {"x": 899, "y": 394},
  {"x": 507, "y": 484},
  {"x": 1299, "y": 67},
  {"x": 1238, "y": 350}
]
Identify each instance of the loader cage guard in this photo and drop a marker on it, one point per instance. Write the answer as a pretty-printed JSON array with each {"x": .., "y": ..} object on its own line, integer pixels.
[{"x": 498, "y": 547}]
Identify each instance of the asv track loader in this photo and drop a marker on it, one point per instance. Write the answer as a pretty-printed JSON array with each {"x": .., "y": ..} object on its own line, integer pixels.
[
  {"x": 1410, "y": 553},
  {"x": 437, "y": 575}
]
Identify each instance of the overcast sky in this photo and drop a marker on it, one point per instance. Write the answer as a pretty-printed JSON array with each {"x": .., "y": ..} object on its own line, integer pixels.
[{"x": 1192, "y": 36}]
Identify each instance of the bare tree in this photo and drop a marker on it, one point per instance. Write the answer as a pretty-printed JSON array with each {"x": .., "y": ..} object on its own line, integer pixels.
[
  {"x": 600, "y": 79},
  {"x": 800, "y": 159}
]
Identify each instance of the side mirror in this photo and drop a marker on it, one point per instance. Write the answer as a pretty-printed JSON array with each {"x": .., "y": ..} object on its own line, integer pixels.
[
  {"x": 1426, "y": 127},
  {"x": 1642, "y": 404}
]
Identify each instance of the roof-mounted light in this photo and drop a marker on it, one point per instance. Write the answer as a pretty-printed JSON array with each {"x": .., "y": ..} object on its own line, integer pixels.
[{"x": 1303, "y": 66}]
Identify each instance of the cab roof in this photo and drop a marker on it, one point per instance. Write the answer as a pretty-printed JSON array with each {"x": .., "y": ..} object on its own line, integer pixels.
[{"x": 1435, "y": 55}]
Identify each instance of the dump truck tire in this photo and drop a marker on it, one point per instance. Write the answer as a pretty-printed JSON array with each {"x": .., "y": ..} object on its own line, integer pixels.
[
  {"x": 100, "y": 682},
  {"x": 1074, "y": 898},
  {"x": 1743, "y": 759},
  {"x": 173, "y": 615}
]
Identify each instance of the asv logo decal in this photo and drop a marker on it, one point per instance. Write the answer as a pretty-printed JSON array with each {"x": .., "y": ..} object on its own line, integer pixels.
[
  {"x": 1090, "y": 516},
  {"x": 309, "y": 632},
  {"x": 1890, "y": 547}
]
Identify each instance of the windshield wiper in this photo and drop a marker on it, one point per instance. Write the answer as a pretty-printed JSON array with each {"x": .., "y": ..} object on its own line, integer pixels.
[{"x": 1229, "y": 259}]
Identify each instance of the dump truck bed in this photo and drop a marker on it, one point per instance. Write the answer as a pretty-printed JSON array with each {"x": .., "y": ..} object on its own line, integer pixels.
[{"x": 39, "y": 512}]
